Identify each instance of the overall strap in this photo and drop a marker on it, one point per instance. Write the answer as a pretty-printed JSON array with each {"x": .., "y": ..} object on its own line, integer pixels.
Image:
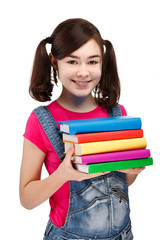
[
  {"x": 114, "y": 111},
  {"x": 51, "y": 129}
]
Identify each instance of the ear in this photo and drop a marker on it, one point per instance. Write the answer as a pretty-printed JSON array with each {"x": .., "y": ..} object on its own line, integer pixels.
[{"x": 53, "y": 61}]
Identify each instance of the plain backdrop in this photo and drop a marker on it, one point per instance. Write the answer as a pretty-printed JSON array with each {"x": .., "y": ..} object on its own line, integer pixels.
[{"x": 133, "y": 28}]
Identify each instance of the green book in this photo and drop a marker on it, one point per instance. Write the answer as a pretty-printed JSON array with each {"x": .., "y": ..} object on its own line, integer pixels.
[{"x": 113, "y": 166}]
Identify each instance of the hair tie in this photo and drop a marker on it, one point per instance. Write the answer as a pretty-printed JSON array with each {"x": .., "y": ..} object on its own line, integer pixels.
[{"x": 49, "y": 40}]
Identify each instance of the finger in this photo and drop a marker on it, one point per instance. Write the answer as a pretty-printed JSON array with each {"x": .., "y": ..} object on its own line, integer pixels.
[
  {"x": 139, "y": 170},
  {"x": 132, "y": 170},
  {"x": 69, "y": 153},
  {"x": 83, "y": 176},
  {"x": 97, "y": 174}
]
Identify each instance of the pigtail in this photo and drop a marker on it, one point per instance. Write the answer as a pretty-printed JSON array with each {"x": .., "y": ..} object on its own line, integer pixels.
[
  {"x": 109, "y": 86},
  {"x": 40, "y": 84}
]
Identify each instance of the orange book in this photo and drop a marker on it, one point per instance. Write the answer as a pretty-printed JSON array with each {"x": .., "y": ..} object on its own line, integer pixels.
[{"x": 103, "y": 136}]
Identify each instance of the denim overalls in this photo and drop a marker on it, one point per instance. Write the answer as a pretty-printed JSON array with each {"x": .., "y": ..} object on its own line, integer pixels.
[{"x": 98, "y": 207}]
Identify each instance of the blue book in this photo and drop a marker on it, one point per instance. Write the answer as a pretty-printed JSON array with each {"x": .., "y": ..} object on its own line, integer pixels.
[{"x": 100, "y": 124}]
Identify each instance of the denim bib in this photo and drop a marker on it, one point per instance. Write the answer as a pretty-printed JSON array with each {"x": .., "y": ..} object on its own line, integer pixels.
[{"x": 98, "y": 207}]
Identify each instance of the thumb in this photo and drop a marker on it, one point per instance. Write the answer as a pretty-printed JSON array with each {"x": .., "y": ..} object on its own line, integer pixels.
[{"x": 69, "y": 153}]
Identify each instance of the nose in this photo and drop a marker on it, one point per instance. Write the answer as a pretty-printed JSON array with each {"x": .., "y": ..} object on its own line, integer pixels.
[{"x": 82, "y": 71}]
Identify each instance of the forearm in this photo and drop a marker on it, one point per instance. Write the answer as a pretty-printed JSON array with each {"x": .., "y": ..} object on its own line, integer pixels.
[
  {"x": 34, "y": 191},
  {"x": 38, "y": 191},
  {"x": 131, "y": 178}
]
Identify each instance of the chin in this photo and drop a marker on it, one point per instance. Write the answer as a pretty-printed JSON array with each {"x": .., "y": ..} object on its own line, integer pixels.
[{"x": 82, "y": 93}]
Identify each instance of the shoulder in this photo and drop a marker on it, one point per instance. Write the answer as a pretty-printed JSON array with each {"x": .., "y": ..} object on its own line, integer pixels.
[
  {"x": 32, "y": 121},
  {"x": 34, "y": 132}
]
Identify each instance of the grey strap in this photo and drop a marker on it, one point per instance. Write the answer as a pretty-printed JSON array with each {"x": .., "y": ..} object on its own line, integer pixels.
[
  {"x": 51, "y": 129},
  {"x": 115, "y": 111}
]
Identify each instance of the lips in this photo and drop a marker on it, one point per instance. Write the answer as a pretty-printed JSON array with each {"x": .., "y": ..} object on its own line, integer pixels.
[{"x": 82, "y": 83}]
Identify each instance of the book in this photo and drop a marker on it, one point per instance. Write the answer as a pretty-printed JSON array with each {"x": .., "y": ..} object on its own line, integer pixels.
[
  {"x": 107, "y": 146},
  {"x": 100, "y": 124},
  {"x": 112, "y": 156},
  {"x": 102, "y": 136},
  {"x": 113, "y": 166}
]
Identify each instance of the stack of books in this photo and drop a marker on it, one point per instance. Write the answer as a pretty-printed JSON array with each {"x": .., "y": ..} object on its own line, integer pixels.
[{"x": 106, "y": 144}]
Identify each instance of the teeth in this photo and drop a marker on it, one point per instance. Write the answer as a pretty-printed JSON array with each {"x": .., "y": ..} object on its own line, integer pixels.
[{"x": 82, "y": 82}]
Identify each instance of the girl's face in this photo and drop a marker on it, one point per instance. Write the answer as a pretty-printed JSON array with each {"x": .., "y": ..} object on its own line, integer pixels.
[{"x": 81, "y": 71}]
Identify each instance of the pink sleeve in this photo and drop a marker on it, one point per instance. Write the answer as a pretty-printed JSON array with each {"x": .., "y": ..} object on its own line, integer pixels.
[
  {"x": 35, "y": 133},
  {"x": 123, "y": 111}
]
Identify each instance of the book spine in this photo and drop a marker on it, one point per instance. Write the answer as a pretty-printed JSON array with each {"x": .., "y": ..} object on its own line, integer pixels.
[
  {"x": 113, "y": 166},
  {"x": 107, "y": 136},
  {"x": 114, "y": 124},
  {"x": 112, "y": 156},
  {"x": 110, "y": 146}
]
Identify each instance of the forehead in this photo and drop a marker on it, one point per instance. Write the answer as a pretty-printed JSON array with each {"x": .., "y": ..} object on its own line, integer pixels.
[{"x": 88, "y": 49}]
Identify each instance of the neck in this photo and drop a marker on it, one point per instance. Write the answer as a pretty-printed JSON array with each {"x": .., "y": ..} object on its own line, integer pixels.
[{"x": 77, "y": 104}]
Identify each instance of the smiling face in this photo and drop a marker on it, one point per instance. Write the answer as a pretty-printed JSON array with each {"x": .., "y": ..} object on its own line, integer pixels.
[{"x": 80, "y": 72}]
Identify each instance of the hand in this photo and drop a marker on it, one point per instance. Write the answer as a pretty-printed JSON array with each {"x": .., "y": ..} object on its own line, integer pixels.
[
  {"x": 133, "y": 170},
  {"x": 69, "y": 173},
  {"x": 132, "y": 174}
]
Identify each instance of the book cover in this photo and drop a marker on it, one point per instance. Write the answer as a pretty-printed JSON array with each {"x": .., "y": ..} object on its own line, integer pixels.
[
  {"x": 112, "y": 156},
  {"x": 102, "y": 136},
  {"x": 107, "y": 146},
  {"x": 100, "y": 124},
  {"x": 113, "y": 166}
]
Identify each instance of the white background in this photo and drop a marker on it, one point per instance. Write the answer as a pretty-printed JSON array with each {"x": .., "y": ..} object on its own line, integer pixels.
[{"x": 133, "y": 28}]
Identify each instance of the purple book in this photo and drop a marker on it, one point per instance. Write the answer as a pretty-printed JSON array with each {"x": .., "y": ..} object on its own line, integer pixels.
[{"x": 112, "y": 156}]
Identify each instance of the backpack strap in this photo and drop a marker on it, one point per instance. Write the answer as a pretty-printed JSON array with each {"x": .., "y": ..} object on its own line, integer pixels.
[
  {"x": 114, "y": 111},
  {"x": 51, "y": 129}
]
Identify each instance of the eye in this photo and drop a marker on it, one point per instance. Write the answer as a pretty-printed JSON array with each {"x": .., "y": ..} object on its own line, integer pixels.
[
  {"x": 72, "y": 62},
  {"x": 93, "y": 62}
]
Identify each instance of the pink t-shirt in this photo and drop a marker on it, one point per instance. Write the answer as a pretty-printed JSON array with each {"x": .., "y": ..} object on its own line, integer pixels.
[{"x": 59, "y": 202}]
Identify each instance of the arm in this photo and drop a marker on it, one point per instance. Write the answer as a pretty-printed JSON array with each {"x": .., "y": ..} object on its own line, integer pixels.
[{"x": 33, "y": 190}]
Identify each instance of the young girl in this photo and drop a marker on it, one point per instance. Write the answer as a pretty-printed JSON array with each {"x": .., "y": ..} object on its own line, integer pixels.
[{"x": 93, "y": 206}]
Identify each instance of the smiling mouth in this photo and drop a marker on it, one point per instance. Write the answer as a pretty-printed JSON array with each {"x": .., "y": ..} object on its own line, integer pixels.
[{"x": 81, "y": 82}]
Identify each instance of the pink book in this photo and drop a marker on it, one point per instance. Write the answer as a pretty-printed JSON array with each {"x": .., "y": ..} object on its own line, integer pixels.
[{"x": 112, "y": 156}]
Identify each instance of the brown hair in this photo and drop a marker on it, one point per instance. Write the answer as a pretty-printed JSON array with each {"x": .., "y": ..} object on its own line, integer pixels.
[{"x": 67, "y": 37}]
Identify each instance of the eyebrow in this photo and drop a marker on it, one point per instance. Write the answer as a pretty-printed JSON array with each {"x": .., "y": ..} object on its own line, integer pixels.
[{"x": 76, "y": 57}]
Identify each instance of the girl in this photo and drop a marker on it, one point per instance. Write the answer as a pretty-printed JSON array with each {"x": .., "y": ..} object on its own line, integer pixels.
[{"x": 93, "y": 206}]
